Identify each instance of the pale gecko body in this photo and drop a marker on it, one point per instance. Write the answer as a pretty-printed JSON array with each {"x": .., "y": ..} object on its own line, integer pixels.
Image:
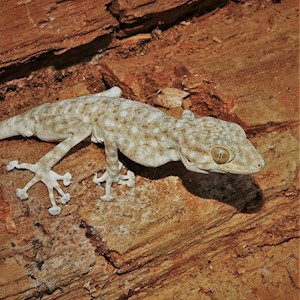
[{"x": 141, "y": 132}]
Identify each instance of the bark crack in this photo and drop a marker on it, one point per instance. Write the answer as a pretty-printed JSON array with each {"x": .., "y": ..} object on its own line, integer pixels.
[{"x": 101, "y": 247}]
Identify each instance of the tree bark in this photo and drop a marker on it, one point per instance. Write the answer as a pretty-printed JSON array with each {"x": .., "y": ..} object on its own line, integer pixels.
[{"x": 177, "y": 234}]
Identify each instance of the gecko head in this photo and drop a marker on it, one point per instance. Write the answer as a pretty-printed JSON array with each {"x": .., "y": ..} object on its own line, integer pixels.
[{"x": 212, "y": 145}]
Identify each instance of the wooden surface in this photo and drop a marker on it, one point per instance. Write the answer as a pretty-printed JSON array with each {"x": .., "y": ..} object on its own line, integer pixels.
[
  {"x": 177, "y": 234},
  {"x": 44, "y": 29}
]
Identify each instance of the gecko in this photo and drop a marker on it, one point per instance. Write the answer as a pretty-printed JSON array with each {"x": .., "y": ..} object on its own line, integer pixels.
[{"x": 143, "y": 133}]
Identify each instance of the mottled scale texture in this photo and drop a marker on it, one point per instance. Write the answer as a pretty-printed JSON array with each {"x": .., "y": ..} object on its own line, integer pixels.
[{"x": 141, "y": 132}]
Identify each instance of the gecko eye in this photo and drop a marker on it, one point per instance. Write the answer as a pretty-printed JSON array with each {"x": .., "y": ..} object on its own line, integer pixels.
[{"x": 220, "y": 155}]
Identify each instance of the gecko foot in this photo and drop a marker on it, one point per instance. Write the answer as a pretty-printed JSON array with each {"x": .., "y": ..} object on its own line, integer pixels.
[
  {"x": 128, "y": 179},
  {"x": 49, "y": 178}
]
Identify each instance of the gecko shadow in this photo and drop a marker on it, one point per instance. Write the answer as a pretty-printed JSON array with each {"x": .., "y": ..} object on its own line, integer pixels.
[{"x": 239, "y": 191}]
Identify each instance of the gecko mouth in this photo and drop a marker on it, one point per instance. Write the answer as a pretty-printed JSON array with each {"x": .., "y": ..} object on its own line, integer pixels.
[
  {"x": 240, "y": 171},
  {"x": 217, "y": 171}
]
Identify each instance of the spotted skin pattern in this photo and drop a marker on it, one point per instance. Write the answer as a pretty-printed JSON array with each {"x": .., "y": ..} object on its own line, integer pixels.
[{"x": 141, "y": 132}]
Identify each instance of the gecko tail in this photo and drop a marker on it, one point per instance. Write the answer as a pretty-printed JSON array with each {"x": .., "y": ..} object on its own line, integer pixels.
[
  {"x": 16, "y": 126},
  {"x": 8, "y": 128}
]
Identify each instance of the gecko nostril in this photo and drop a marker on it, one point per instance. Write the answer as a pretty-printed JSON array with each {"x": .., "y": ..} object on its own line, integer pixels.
[{"x": 260, "y": 165}]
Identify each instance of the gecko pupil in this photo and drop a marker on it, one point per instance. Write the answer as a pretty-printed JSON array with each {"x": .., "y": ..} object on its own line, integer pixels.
[{"x": 220, "y": 155}]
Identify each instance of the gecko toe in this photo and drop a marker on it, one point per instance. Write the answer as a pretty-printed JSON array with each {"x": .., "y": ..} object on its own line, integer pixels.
[
  {"x": 21, "y": 194},
  {"x": 131, "y": 184},
  {"x": 54, "y": 210},
  {"x": 107, "y": 198},
  {"x": 67, "y": 179},
  {"x": 65, "y": 199},
  {"x": 101, "y": 179},
  {"x": 128, "y": 179},
  {"x": 11, "y": 165}
]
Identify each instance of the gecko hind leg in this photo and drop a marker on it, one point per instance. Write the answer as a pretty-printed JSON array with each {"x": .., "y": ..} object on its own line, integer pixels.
[
  {"x": 49, "y": 178},
  {"x": 43, "y": 172}
]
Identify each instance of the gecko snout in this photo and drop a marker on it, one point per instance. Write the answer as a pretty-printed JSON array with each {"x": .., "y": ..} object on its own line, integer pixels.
[{"x": 261, "y": 164}]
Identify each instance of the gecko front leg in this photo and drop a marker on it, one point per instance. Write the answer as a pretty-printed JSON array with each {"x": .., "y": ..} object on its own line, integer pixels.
[
  {"x": 112, "y": 172},
  {"x": 43, "y": 172}
]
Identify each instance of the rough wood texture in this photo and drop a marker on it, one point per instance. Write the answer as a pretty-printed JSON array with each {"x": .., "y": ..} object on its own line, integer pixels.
[
  {"x": 50, "y": 26},
  {"x": 41, "y": 28},
  {"x": 140, "y": 15},
  {"x": 176, "y": 234}
]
